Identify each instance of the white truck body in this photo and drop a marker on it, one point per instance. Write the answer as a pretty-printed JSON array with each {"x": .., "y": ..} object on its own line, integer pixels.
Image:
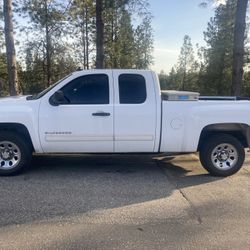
[{"x": 150, "y": 126}]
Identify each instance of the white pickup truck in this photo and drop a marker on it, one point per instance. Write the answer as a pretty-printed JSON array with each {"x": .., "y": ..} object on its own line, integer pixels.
[{"x": 122, "y": 111}]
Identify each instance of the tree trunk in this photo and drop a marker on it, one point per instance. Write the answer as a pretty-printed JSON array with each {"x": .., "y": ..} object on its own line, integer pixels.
[
  {"x": 238, "y": 49},
  {"x": 87, "y": 35},
  {"x": 99, "y": 35},
  {"x": 48, "y": 47},
  {"x": 84, "y": 49},
  {"x": 183, "y": 84},
  {"x": 10, "y": 48},
  {"x": 83, "y": 33}
]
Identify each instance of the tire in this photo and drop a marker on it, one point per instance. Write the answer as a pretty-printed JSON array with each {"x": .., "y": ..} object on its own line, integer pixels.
[
  {"x": 222, "y": 155},
  {"x": 15, "y": 153}
]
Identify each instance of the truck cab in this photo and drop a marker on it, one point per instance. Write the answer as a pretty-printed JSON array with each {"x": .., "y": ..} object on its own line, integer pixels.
[{"x": 108, "y": 111}]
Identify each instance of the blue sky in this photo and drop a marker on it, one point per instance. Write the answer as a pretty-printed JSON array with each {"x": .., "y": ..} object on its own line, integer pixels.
[{"x": 172, "y": 19}]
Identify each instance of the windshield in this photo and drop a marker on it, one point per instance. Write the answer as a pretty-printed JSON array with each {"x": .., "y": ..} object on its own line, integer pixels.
[{"x": 39, "y": 95}]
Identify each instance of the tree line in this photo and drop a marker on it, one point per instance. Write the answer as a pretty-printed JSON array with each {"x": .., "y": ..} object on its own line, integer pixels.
[
  {"x": 55, "y": 37},
  {"x": 218, "y": 67}
]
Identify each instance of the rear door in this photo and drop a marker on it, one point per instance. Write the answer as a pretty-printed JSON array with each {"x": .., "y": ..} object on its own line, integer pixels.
[{"x": 135, "y": 113}]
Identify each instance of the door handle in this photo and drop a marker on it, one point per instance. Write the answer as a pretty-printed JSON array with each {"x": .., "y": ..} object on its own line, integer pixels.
[{"x": 101, "y": 114}]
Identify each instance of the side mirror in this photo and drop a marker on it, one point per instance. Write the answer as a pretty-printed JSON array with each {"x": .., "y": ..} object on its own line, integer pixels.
[{"x": 58, "y": 98}]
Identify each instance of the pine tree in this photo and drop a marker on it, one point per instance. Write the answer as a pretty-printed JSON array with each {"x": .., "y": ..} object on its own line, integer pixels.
[
  {"x": 238, "y": 48},
  {"x": 2, "y": 45},
  {"x": 219, "y": 38},
  {"x": 112, "y": 16},
  {"x": 126, "y": 41},
  {"x": 174, "y": 79},
  {"x": 3, "y": 75},
  {"x": 99, "y": 35},
  {"x": 10, "y": 47},
  {"x": 127, "y": 45},
  {"x": 163, "y": 79},
  {"x": 238, "y": 19},
  {"x": 82, "y": 20},
  {"x": 185, "y": 61},
  {"x": 118, "y": 32},
  {"x": 46, "y": 25},
  {"x": 144, "y": 44}
]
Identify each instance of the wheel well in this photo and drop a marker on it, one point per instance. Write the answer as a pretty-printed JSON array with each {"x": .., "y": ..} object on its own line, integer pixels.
[
  {"x": 238, "y": 130},
  {"x": 19, "y": 129}
]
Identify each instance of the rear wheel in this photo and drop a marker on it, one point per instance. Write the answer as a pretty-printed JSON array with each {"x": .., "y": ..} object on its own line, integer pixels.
[
  {"x": 222, "y": 155},
  {"x": 15, "y": 153}
]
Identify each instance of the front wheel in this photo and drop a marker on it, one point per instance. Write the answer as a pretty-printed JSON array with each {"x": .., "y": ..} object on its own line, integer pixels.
[
  {"x": 222, "y": 155},
  {"x": 15, "y": 153}
]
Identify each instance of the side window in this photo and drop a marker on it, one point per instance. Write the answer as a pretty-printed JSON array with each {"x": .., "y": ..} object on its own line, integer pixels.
[
  {"x": 89, "y": 89},
  {"x": 132, "y": 89}
]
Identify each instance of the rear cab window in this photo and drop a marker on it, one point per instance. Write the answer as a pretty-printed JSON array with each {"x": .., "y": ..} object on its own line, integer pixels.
[{"x": 132, "y": 89}]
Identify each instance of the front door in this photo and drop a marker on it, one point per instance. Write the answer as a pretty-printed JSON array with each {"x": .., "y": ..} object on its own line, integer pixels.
[{"x": 85, "y": 124}]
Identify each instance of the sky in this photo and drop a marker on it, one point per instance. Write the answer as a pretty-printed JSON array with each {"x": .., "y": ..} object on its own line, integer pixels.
[{"x": 172, "y": 19}]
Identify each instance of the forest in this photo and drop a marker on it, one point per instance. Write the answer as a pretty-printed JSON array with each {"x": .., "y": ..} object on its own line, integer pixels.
[{"x": 41, "y": 41}]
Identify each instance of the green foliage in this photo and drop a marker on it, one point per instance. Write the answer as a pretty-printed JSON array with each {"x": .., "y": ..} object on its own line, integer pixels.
[
  {"x": 119, "y": 37},
  {"x": 246, "y": 82},
  {"x": 39, "y": 16},
  {"x": 1, "y": 28},
  {"x": 33, "y": 78},
  {"x": 184, "y": 75},
  {"x": 56, "y": 37},
  {"x": 168, "y": 81},
  {"x": 127, "y": 45},
  {"x": 163, "y": 79},
  {"x": 186, "y": 57},
  {"x": 125, "y": 41},
  {"x": 219, "y": 38},
  {"x": 216, "y": 72},
  {"x": 81, "y": 17},
  {"x": 3, "y": 75},
  {"x": 143, "y": 44},
  {"x": 45, "y": 46},
  {"x": 185, "y": 66},
  {"x": 210, "y": 71}
]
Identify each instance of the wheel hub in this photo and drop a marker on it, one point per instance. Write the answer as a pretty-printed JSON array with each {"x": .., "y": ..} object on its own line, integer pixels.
[
  {"x": 6, "y": 154},
  {"x": 223, "y": 155}
]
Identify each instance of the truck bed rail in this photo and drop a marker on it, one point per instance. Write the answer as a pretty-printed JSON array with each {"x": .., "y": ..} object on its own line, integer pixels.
[{"x": 224, "y": 98}]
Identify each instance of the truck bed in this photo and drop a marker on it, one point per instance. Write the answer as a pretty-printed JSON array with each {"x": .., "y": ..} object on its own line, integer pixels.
[{"x": 172, "y": 95}]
